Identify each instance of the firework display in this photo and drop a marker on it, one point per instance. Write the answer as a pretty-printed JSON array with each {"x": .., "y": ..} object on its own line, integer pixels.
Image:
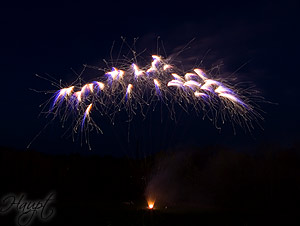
[{"x": 135, "y": 89}]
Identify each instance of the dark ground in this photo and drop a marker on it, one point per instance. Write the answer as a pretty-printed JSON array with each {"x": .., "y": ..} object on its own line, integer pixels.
[{"x": 258, "y": 188}]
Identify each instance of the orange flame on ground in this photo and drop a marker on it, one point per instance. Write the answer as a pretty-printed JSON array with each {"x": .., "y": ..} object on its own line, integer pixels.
[{"x": 150, "y": 204}]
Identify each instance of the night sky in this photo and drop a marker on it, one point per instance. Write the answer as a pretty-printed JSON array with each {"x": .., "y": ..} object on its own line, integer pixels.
[{"x": 51, "y": 41}]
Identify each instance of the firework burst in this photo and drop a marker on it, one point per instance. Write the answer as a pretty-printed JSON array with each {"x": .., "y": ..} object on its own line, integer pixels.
[{"x": 129, "y": 86}]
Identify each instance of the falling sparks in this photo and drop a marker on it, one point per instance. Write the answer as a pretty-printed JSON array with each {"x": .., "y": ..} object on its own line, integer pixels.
[
  {"x": 137, "y": 71},
  {"x": 156, "y": 60},
  {"x": 200, "y": 73},
  {"x": 129, "y": 90},
  {"x": 62, "y": 94},
  {"x": 175, "y": 83},
  {"x": 167, "y": 66},
  {"x": 78, "y": 96},
  {"x": 86, "y": 113},
  {"x": 192, "y": 84},
  {"x": 199, "y": 94},
  {"x": 100, "y": 85},
  {"x": 134, "y": 86}
]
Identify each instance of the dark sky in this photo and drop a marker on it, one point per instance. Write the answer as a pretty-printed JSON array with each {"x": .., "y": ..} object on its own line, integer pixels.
[{"x": 53, "y": 40}]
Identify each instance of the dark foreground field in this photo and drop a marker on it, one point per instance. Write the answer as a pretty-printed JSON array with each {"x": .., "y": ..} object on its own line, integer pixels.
[
  {"x": 97, "y": 214},
  {"x": 211, "y": 186}
]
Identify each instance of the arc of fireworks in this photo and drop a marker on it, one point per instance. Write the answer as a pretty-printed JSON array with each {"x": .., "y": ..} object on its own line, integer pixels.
[{"x": 136, "y": 84}]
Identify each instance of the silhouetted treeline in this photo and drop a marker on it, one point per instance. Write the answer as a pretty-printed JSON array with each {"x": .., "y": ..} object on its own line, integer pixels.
[
  {"x": 220, "y": 179},
  {"x": 213, "y": 178},
  {"x": 72, "y": 177}
]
